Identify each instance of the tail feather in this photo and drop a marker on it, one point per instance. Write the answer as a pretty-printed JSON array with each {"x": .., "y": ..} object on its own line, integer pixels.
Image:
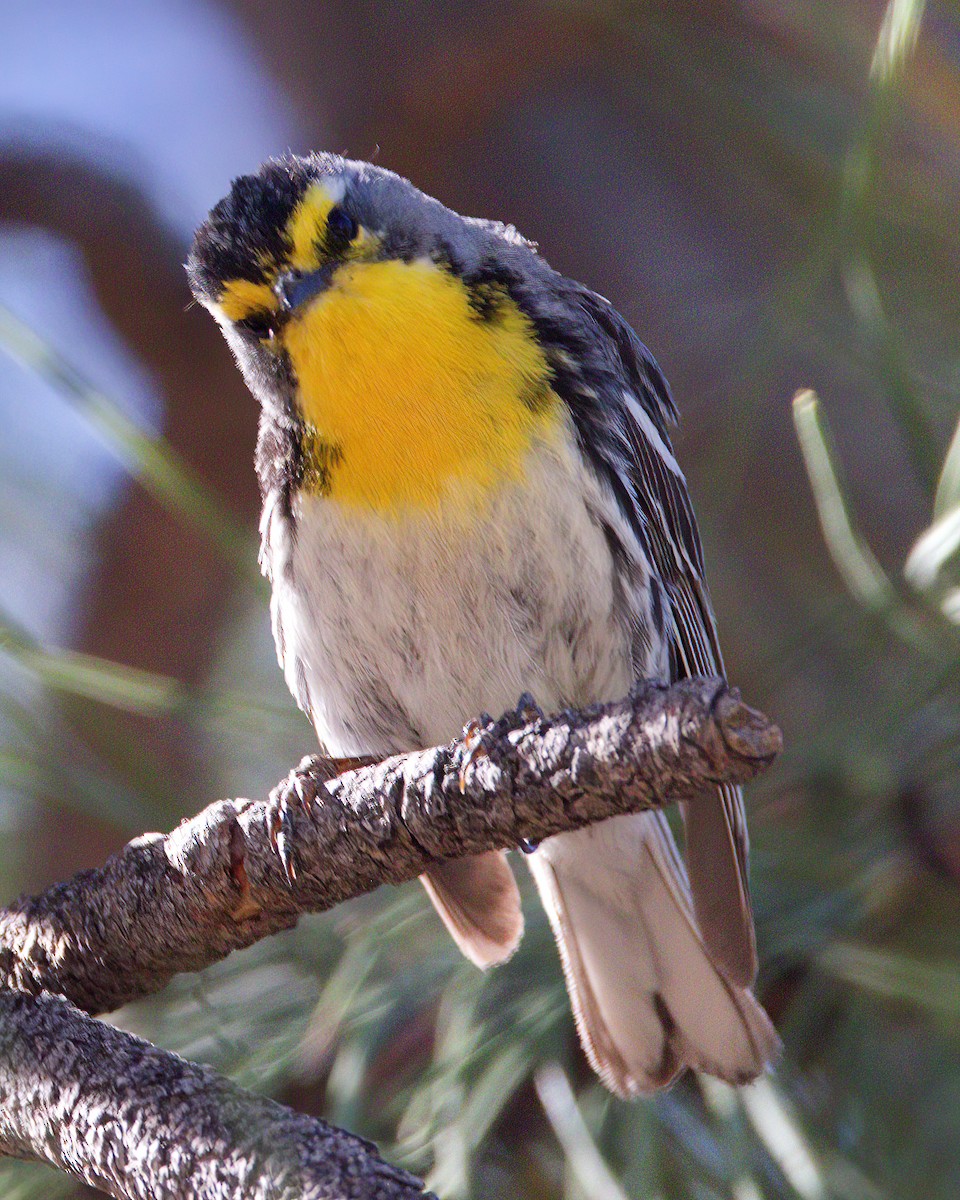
[
  {"x": 479, "y": 902},
  {"x": 716, "y": 849},
  {"x": 647, "y": 998}
]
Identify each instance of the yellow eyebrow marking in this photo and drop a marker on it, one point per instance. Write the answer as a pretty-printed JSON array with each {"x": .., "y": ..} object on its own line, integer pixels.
[
  {"x": 306, "y": 225},
  {"x": 241, "y": 297},
  {"x": 304, "y": 232}
]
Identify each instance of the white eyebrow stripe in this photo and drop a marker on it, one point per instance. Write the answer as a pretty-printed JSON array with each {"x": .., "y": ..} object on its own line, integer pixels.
[
  {"x": 650, "y": 432},
  {"x": 335, "y": 186}
]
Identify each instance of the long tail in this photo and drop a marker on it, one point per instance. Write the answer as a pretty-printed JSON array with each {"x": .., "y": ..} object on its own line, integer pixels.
[{"x": 647, "y": 999}]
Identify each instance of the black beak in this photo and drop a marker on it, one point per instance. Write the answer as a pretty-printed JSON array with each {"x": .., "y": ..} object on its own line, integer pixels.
[{"x": 295, "y": 288}]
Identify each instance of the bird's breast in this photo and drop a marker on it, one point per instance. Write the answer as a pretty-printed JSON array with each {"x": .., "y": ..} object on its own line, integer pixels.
[{"x": 395, "y": 629}]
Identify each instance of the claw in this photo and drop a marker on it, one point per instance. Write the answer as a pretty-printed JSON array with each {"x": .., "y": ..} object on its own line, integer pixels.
[
  {"x": 528, "y": 710},
  {"x": 473, "y": 740},
  {"x": 306, "y": 789},
  {"x": 300, "y": 790},
  {"x": 280, "y": 829},
  {"x": 284, "y": 847}
]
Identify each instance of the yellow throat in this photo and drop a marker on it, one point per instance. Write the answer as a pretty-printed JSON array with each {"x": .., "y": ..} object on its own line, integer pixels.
[{"x": 415, "y": 396}]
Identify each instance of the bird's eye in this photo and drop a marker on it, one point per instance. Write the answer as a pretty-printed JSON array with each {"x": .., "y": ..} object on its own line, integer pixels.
[
  {"x": 260, "y": 324},
  {"x": 341, "y": 229}
]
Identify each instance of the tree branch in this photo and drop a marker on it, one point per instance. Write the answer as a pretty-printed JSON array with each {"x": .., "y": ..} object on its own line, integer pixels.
[
  {"x": 180, "y": 902},
  {"x": 139, "y": 1122},
  {"x": 142, "y": 1124}
]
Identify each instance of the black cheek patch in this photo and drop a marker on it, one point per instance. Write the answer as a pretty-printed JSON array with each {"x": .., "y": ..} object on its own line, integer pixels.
[{"x": 486, "y": 300}]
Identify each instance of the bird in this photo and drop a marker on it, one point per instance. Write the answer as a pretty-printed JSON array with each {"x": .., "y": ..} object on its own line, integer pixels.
[{"x": 470, "y": 493}]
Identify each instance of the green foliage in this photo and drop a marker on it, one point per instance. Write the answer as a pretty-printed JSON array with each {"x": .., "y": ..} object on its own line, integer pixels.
[{"x": 150, "y": 458}]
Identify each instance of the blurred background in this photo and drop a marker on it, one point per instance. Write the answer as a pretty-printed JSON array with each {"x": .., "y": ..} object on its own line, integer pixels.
[{"x": 769, "y": 191}]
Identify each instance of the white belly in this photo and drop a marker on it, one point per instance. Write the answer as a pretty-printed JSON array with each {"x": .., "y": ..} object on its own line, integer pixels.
[{"x": 394, "y": 632}]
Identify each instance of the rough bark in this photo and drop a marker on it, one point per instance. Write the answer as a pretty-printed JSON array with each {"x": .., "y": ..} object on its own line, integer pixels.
[
  {"x": 140, "y": 1122},
  {"x": 181, "y": 901},
  {"x": 144, "y": 1124}
]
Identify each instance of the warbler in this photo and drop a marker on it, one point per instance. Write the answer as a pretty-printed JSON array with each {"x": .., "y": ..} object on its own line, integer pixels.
[{"x": 469, "y": 493}]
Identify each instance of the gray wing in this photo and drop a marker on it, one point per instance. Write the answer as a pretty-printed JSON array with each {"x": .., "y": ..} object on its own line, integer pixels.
[{"x": 716, "y": 833}]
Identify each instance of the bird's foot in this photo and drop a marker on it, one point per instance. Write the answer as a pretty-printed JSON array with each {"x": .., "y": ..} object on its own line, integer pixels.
[
  {"x": 473, "y": 740},
  {"x": 300, "y": 790},
  {"x": 528, "y": 710}
]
